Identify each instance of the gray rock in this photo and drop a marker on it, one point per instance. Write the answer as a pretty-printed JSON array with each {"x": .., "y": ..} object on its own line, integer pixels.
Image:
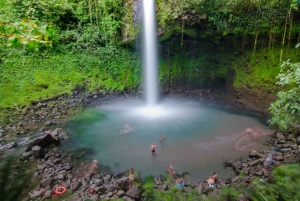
[
  {"x": 120, "y": 193},
  {"x": 109, "y": 195},
  {"x": 47, "y": 183},
  {"x": 76, "y": 185},
  {"x": 37, "y": 152},
  {"x": 279, "y": 136},
  {"x": 66, "y": 166},
  {"x": 35, "y": 194},
  {"x": 25, "y": 156},
  {"x": 47, "y": 195},
  {"x": 97, "y": 182},
  {"x": 48, "y": 123},
  {"x": 120, "y": 174},
  {"x": 134, "y": 192},
  {"x": 199, "y": 188},
  {"x": 11, "y": 145}
]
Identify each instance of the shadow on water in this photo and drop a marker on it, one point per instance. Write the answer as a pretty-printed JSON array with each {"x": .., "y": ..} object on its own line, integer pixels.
[{"x": 85, "y": 155}]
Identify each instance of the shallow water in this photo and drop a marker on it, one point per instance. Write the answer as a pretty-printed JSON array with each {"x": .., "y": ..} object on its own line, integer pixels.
[{"x": 199, "y": 137}]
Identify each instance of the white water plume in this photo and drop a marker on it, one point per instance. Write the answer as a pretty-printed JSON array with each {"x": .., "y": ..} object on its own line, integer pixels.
[{"x": 150, "y": 52}]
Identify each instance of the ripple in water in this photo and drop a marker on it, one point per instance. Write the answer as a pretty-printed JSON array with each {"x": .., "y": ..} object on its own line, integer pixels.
[{"x": 199, "y": 137}]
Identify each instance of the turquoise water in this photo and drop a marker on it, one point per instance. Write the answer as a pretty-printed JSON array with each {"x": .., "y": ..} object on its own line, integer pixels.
[{"x": 199, "y": 137}]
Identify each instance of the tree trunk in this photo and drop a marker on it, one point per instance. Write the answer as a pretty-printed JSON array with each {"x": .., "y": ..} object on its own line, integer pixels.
[
  {"x": 255, "y": 42},
  {"x": 284, "y": 35},
  {"x": 290, "y": 31},
  {"x": 90, "y": 10}
]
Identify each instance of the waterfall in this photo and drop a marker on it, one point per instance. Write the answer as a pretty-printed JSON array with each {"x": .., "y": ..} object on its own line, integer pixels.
[{"x": 150, "y": 63}]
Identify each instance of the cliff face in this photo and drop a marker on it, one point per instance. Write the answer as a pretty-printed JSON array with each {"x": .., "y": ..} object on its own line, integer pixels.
[{"x": 252, "y": 99}]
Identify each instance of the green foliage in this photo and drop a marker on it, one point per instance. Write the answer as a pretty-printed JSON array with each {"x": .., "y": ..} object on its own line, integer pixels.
[
  {"x": 27, "y": 34},
  {"x": 44, "y": 75},
  {"x": 15, "y": 183},
  {"x": 285, "y": 186},
  {"x": 285, "y": 111},
  {"x": 173, "y": 194}
]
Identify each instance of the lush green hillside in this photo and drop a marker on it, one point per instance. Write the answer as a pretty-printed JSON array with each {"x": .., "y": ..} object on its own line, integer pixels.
[{"x": 49, "y": 48}]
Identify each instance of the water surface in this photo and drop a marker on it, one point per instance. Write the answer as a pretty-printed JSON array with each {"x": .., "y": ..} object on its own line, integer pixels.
[{"x": 199, "y": 137}]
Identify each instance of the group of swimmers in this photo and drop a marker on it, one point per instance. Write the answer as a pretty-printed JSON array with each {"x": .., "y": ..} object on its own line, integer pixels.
[
  {"x": 127, "y": 129},
  {"x": 253, "y": 134}
]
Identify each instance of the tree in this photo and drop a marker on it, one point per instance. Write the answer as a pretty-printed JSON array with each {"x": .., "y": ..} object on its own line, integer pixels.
[{"x": 285, "y": 111}]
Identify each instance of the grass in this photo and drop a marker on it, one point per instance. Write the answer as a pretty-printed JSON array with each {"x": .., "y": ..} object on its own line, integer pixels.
[
  {"x": 27, "y": 77},
  {"x": 261, "y": 69}
]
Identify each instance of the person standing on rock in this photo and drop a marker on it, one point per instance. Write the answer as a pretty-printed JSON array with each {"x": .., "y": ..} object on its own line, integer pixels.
[
  {"x": 131, "y": 178},
  {"x": 94, "y": 168},
  {"x": 171, "y": 171},
  {"x": 153, "y": 147}
]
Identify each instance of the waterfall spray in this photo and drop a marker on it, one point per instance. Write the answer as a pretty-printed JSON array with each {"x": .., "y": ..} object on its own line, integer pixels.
[{"x": 150, "y": 63}]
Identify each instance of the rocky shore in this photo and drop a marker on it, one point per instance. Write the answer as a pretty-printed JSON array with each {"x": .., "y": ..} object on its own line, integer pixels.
[{"x": 54, "y": 169}]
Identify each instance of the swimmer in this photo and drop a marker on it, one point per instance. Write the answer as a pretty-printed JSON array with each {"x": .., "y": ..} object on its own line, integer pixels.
[
  {"x": 249, "y": 132},
  {"x": 162, "y": 138},
  {"x": 153, "y": 147}
]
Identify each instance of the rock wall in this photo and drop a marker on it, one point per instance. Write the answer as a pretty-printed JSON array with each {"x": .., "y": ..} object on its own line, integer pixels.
[{"x": 249, "y": 98}]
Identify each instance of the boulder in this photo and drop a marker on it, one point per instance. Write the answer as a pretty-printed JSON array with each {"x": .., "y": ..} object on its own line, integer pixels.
[
  {"x": 47, "y": 183},
  {"x": 44, "y": 142},
  {"x": 37, "y": 152},
  {"x": 35, "y": 194},
  {"x": 47, "y": 195},
  {"x": 11, "y": 145},
  {"x": 134, "y": 192},
  {"x": 200, "y": 187},
  {"x": 120, "y": 193},
  {"x": 120, "y": 174}
]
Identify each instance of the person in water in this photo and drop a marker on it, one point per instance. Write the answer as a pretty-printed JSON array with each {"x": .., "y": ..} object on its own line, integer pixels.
[
  {"x": 153, "y": 147},
  {"x": 127, "y": 129},
  {"x": 161, "y": 139},
  {"x": 249, "y": 132}
]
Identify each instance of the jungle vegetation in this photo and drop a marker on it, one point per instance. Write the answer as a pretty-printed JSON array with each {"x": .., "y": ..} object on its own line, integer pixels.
[{"x": 50, "y": 48}]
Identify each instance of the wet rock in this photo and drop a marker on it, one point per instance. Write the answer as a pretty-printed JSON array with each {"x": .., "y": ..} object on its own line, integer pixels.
[
  {"x": 255, "y": 154},
  {"x": 76, "y": 185},
  {"x": 48, "y": 123},
  {"x": 37, "y": 152},
  {"x": 66, "y": 166},
  {"x": 235, "y": 179},
  {"x": 25, "y": 156},
  {"x": 44, "y": 142},
  {"x": 47, "y": 195},
  {"x": 35, "y": 194},
  {"x": 108, "y": 195},
  {"x": 134, "y": 192},
  {"x": 11, "y": 145},
  {"x": 120, "y": 193},
  {"x": 47, "y": 183},
  {"x": 200, "y": 187},
  {"x": 120, "y": 174},
  {"x": 97, "y": 181}
]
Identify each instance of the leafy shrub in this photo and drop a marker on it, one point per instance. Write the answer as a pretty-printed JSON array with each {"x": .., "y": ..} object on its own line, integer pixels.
[{"x": 285, "y": 111}]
